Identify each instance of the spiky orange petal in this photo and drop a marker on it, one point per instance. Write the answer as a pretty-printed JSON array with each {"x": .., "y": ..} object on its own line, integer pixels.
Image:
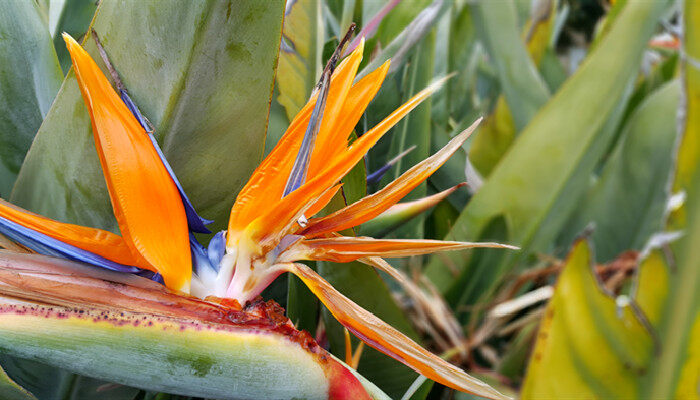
[
  {"x": 371, "y": 206},
  {"x": 334, "y": 141},
  {"x": 145, "y": 200},
  {"x": 269, "y": 179},
  {"x": 277, "y": 221},
  {"x": 388, "y": 340},
  {"x": 345, "y": 249}
]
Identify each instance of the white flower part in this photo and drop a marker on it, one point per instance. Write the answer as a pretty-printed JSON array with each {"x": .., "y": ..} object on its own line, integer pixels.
[
  {"x": 302, "y": 221},
  {"x": 226, "y": 268},
  {"x": 200, "y": 287}
]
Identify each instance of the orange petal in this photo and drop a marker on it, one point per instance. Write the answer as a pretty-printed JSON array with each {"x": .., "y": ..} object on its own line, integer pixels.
[
  {"x": 104, "y": 243},
  {"x": 269, "y": 179},
  {"x": 334, "y": 141},
  {"x": 370, "y": 206},
  {"x": 346, "y": 249},
  {"x": 279, "y": 219},
  {"x": 146, "y": 202},
  {"x": 388, "y": 340},
  {"x": 401, "y": 213}
]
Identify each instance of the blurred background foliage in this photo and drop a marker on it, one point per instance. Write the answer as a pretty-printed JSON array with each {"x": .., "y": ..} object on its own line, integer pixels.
[{"x": 587, "y": 159}]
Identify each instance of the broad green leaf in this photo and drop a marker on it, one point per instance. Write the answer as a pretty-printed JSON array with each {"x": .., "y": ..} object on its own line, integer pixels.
[
  {"x": 43, "y": 381},
  {"x": 461, "y": 56},
  {"x": 300, "y": 57},
  {"x": 586, "y": 346},
  {"x": 12, "y": 391},
  {"x": 628, "y": 203},
  {"x": 522, "y": 89},
  {"x": 529, "y": 195},
  {"x": 346, "y": 16},
  {"x": 29, "y": 80},
  {"x": 72, "y": 16},
  {"x": 667, "y": 296},
  {"x": 552, "y": 70},
  {"x": 201, "y": 72}
]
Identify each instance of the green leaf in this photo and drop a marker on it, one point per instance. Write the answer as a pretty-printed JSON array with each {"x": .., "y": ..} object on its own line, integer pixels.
[
  {"x": 12, "y": 391},
  {"x": 666, "y": 294},
  {"x": 414, "y": 130},
  {"x": 522, "y": 85},
  {"x": 202, "y": 72},
  {"x": 72, "y": 16},
  {"x": 49, "y": 383},
  {"x": 300, "y": 57},
  {"x": 395, "y": 21},
  {"x": 628, "y": 203},
  {"x": 535, "y": 186},
  {"x": 689, "y": 149},
  {"x": 401, "y": 46},
  {"x": 675, "y": 372},
  {"x": 646, "y": 350},
  {"x": 461, "y": 56},
  {"x": 524, "y": 90},
  {"x": 587, "y": 347},
  {"x": 29, "y": 80}
]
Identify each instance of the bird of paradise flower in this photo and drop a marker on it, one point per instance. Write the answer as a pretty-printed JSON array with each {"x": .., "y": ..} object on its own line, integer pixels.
[{"x": 272, "y": 224}]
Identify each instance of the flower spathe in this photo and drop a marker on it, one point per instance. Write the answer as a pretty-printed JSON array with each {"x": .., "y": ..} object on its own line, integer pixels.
[{"x": 271, "y": 227}]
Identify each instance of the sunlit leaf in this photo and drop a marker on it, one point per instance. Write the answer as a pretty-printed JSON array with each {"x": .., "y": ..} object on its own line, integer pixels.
[
  {"x": 300, "y": 56},
  {"x": 581, "y": 317},
  {"x": 689, "y": 149}
]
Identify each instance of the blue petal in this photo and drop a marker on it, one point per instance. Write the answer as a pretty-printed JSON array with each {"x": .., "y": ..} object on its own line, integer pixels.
[
  {"x": 377, "y": 175},
  {"x": 297, "y": 176},
  {"x": 200, "y": 258},
  {"x": 154, "y": 276},
  {"x": 195, "y": 222},
  {"x": 47, "y": 245},
  {"x": 216, "y": 249}
]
